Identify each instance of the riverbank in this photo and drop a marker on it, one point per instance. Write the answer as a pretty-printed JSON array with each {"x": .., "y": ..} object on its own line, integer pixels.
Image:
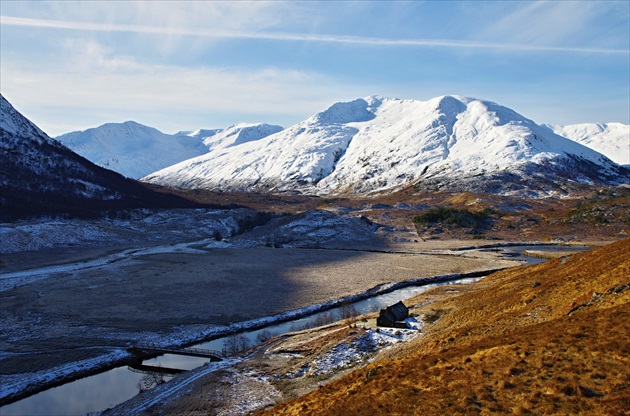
[{"x": 286, "y": 366}]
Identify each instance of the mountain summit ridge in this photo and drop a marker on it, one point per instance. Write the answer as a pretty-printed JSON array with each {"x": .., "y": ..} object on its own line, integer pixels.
[
  {"x": 377, "y": 144},
  {"x": 136, "y": 150}
]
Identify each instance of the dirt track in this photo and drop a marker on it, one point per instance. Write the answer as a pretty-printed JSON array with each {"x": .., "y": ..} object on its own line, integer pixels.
[{"x": 63, "y": 316}]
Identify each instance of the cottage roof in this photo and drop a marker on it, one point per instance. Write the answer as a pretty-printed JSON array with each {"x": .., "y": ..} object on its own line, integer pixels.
[{"x": 396, "y": 312}]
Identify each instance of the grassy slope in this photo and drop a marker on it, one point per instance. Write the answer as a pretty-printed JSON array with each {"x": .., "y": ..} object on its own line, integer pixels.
[{"x": 552, "y": 338}]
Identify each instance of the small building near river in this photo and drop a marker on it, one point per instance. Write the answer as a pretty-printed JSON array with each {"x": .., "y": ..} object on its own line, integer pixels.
[{"x": 393, "y": 316}]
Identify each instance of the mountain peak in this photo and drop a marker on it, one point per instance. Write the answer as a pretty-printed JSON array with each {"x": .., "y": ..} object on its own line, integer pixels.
[
  {"x": 131, "y": 148},
  {"x": 377, "y": 144},
  {"x": 15, "y": 123},
  {"x": 40, "y": 176},
  {"x": 346, "y": 112}
]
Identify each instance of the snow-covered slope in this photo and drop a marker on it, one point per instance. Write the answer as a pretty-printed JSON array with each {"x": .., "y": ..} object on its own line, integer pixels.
[
  {"x": 135, "y": 150},
  {"x": 377, "y": 144},
  {"x": 132, "y": 149},
  {"x": 610, "y": 139},
  {"x": 238, "y": 134},
  {"x": 40, "y": 176}
]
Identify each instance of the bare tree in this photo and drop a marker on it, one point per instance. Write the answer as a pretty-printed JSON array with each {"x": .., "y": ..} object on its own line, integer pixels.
[
  {"x": 324, "y": 319},
  {"x": 150, "y": 381},
  {"x": 264, "y": 335},
  {"x": 235, "y": 344},
  {"x": 348, "y": 311}
]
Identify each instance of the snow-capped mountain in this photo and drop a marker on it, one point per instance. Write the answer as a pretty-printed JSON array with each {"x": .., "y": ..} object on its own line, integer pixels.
[
  {"x": 39, "y": 175},
  {"x": 378, "y": 144},
  {"x": 610, "y": 139},
  {"x": 136, "y": 150},
  {"x": 132, "y": 149},
  {"x": 238, "y": 134}
]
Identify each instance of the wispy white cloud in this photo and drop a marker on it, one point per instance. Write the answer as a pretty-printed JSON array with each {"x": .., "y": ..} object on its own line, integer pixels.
[
  {"x": 94, "y": 80},
  {"x": 547, "y": 23},
  {"x": 300, "y": 37}
]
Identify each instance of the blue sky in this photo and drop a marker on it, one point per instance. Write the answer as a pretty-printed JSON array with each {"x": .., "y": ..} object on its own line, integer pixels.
[{"x": 209, "y": 64}]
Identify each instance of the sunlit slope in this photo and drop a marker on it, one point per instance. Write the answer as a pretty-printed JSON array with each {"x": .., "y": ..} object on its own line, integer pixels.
[
  {"x": 545, "y": 339},
  {"x": 379, "y": 144}
]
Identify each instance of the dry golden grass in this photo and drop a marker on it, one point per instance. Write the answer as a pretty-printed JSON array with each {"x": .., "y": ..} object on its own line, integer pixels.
[{"x": 552, "y": 338}]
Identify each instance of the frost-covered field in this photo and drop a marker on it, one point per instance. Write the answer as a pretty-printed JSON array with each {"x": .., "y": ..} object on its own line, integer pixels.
[
  {"x": 218, "y": 228},
  {"x": 140, "y": 226}
]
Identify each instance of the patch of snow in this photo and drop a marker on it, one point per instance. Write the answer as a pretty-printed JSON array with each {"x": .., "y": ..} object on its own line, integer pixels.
[{"x": 358, "y": 350}]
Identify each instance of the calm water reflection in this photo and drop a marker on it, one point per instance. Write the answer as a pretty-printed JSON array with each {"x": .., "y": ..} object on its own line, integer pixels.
[{"x": 90, "y": 394}]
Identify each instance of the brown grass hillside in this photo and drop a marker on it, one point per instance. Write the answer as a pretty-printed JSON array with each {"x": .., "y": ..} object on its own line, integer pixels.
[{"x": 553, "y": 338}]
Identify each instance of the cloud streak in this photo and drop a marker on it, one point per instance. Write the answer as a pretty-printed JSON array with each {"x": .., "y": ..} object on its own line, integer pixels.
[
  {"x": 96, "y": 89},
  {"x": 301, "y": 37}
]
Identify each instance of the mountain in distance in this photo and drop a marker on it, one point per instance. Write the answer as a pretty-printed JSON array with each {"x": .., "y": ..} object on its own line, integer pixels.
[
  {"x": 131, "y": 149},
  {"x": 135, "y": 150},
  {"x": 610, "y": 139},
  {"x": 40, "y": 176},
  {"x": 234, "y": 135},
  {"x": 380, "y": 144}
]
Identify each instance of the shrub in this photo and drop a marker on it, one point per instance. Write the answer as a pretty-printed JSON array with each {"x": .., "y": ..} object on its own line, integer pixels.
[
  {"x": 432, "y": 316},
  {"x": 264, "y": 335},
  {"x": 454, "y": 216},
  {"x": 604, "y": 207}
]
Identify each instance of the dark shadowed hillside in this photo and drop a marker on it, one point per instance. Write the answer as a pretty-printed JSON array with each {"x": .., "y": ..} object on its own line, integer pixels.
[{"x": 39, "y": 176}]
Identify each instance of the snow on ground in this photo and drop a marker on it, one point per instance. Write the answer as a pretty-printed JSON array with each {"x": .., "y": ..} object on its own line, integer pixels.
[
  {"x": 140, "y": 226},
  {"x": 346, "y": 355},
  {"x": 248, "y": 392},
  {"x": 251, "y": 390}
]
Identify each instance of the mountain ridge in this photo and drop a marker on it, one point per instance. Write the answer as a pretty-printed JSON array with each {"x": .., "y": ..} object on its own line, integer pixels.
[
  {"x": 611, "y": 139},
  {"x": 136, "y": 150},
  {"x": 376, "y": 144}
]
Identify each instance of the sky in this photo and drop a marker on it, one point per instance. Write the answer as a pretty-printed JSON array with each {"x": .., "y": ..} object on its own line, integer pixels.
[{"x": 187, "y": 65}]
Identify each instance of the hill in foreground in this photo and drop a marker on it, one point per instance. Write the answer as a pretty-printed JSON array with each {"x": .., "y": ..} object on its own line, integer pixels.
[{"x": 546, "y": 339}]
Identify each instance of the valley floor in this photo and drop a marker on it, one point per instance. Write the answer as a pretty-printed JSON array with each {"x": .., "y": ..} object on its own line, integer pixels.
[
  {"x": 109, "y": 298},
  {"x": 75, "y": 294}
]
